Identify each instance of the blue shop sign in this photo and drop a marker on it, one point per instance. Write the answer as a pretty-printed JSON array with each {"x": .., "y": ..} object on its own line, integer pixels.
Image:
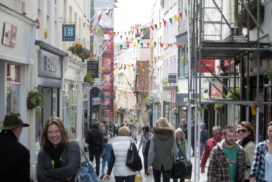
[{"x": 68, "y": 32}]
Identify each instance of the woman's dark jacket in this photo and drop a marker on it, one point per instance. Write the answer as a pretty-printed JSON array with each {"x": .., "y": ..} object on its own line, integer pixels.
[{"x": 70, "y": 163}]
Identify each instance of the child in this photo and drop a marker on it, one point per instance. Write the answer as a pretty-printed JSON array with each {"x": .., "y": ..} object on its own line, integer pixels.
[{"x": 106, "y": 155}]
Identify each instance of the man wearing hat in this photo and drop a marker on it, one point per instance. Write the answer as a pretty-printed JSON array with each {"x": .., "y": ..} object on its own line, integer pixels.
[{"x": 14, "y": 157}]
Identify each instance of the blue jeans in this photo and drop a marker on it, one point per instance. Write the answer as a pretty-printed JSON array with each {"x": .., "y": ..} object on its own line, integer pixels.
[
  {"x": 166, "y": 175},
  {"x": 124, "y": 178},
  {"x": 103, "y": 166}
]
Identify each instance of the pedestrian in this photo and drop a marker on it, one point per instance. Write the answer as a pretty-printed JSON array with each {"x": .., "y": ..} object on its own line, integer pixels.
[
  {"x": 210, "y": 143},
  {"x": 181, "y": 149},
  {"x": 145, "y": 144},
  {"x": 183, "y": 126},
  {"x": 95, "y": 141},
  {"x": 106, "y": 156},
  {"x": 193, "y": 130},
  {"x": 162, "y": 149},
  {"x": 102, "y": 129},
  {"x": 238, "y": 136},
  {"x": 248, "y": 143},
  {"x": 59, "y": 157},
  {"x": 117, "y": 162},
  {"x": 261, "y": 170},
  {"x": 14, "y": 157},
  {"x": 228, "y": 160},
  {"x": 204, "y": 136}
]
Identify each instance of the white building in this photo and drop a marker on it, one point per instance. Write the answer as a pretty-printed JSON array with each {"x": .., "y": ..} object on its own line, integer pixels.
[{"x": 48, "y": 66}]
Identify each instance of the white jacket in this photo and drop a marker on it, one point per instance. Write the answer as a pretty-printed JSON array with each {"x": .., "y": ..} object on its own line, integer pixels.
[{"x": 120, "y": 146}]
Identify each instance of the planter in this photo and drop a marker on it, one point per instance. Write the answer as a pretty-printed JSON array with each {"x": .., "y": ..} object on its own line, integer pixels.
[
  {"x": 219, "y": 107},
  {"x": 80, "y": 51},
  {"x": 89, "y": 78},
  {"x": 34, "y": 99}
]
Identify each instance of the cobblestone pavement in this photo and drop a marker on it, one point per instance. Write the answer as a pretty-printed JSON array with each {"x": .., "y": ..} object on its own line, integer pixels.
[{"x": 149, "y": 178}]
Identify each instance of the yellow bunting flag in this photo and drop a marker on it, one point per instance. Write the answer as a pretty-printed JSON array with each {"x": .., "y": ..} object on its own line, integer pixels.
[{"x": 176, "y": 17}]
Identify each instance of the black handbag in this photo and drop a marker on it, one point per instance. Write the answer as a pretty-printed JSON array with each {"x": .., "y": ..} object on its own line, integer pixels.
[
  {"x": 133, "y": 160},
  {"x": 182, "y": 168}
]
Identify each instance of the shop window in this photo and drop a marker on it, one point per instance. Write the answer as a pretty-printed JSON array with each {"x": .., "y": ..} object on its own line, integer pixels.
[
  {"x": 13, "y": 88},
  {"x": 70, "y": 107}
]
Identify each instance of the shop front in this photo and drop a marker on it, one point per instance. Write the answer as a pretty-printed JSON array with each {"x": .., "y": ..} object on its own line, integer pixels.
[
  {"x": 49, "y": 83},
  {"x": 72, "y": 98},
  {"x": 17, "y": 36}
]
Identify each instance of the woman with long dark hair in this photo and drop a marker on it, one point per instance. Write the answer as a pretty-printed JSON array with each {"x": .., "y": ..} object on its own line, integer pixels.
[
  {"x": 247, "y": 141},
  {"x": 59, "y": 158}
]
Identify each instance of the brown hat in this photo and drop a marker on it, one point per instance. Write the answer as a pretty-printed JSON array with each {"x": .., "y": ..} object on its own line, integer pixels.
[{"x": 12, "y": 120}]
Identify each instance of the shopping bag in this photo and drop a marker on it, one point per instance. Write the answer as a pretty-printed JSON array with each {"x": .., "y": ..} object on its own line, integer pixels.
[
  {"x": 182, "y": 169},
  {"x": 138, "y": 177}
]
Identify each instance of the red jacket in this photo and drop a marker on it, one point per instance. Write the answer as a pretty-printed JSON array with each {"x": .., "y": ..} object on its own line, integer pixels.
[{"x": 210, "y": 143}]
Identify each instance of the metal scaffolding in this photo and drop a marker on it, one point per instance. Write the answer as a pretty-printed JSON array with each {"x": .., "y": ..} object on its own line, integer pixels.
[{"x": 206, "y": 41}]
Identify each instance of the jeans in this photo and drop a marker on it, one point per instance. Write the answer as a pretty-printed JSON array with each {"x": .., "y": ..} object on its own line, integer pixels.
[
  {"x": 166, "y": 175},
  {"x": 145, "y": 163},
  {"x": 103, "y": 166},
  {"x": 124, "y": 178},
  {"x": 93, "y": 154}
]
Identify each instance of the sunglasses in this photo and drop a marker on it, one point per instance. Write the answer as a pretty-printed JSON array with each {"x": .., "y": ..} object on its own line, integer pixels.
[{"x": 242, "y": 131}]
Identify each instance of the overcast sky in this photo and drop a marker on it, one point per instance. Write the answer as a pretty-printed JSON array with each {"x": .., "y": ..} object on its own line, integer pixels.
[{"x": 131, "y": 12}]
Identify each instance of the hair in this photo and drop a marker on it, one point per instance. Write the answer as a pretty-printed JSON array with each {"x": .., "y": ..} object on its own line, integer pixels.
[
  {"x": 269, "y": 124},
  {"x": 95, "y": 125},
  {"x": 202, "y": 125},
  {"x": 179, "y": 130},
  {"x": 58, "y": 122},
  {"x": 228, "y": 129},
  {"x": 105, "y": 140},
  {"x": 101, "y": 125},
  {"x": 216, "y": 127},
  {"x": 123, "y": 131},
  {"x": 145, "y": 129},
  {"x": 249, "y": 127},
  {"x": 163, "y": 123}
]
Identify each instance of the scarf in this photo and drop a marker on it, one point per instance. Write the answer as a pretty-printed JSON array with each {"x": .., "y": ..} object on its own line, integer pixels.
[
  {"x": 244, "y": 141},
  {"x": 55, "y": 154}
]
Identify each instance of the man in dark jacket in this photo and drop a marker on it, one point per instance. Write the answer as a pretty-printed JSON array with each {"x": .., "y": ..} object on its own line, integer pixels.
[
  {"x": 14, "y": 157},
  {"x": 95, "y": 140}
]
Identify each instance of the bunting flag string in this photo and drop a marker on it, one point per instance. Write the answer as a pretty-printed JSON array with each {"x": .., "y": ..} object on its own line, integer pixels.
[{"x": 136, "y": 30}]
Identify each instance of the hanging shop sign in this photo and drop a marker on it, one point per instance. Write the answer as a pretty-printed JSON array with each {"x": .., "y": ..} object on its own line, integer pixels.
[
  {"x": 172, "y": 78},
  {"x": 209, "y": 65},
  {"x": 68, "y": 32},
  {"x": 92, "y": 66}
]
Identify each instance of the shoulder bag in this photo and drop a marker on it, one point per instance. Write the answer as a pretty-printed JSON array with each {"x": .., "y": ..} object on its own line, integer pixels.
[
  {"x": 133, "y": 160},
  {"x": 181, "y": 168}
]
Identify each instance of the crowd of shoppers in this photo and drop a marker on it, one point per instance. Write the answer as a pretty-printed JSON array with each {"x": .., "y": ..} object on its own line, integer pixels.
[{"x": 231, "y": 154}]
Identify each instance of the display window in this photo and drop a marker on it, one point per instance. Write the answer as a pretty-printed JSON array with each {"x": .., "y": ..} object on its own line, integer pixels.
[
  {"x": 70, "y": 107},
  {"x": 13, "y": 88}
]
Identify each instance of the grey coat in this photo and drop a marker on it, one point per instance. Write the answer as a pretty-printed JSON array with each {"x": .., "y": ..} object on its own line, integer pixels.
[
  {"x": 162, "y": 149},
  {"x": 70, "y": 158}
]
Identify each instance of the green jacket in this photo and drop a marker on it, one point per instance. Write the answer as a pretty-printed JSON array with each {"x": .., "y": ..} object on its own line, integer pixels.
[{"x": 162, "y": 149}]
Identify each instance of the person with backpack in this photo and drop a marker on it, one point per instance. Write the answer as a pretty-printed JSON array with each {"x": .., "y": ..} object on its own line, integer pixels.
[
  {"x": 95, "y": 141},
  {"x": 145, "y": 142}
]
